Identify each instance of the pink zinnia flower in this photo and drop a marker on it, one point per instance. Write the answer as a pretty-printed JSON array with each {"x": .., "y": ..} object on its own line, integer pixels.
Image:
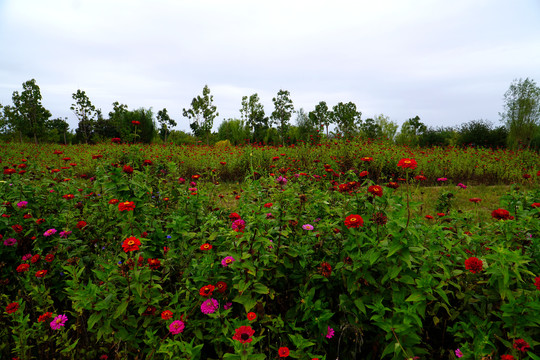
[
  {"x": 49, "y": 232},
  {"x": 58, "y": 322},
  {"x": 239, "y": 225},
  {"x": 458, "y": 353},
  {"x": 64, "y": 234},
  {"x": 22, "y": 204},
  {"x": 227, "y": 261},
  {"x": 307, "y": 227},
  {"x": 10, "y": 242},
  {"x": 176, "y": 327},
  {"x": 209, "y": 306}
]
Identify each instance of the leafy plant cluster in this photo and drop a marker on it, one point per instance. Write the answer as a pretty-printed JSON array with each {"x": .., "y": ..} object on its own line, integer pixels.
[{"x": 137, "y": 261}]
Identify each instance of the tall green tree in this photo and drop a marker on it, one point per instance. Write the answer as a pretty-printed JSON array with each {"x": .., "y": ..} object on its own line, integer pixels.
[
  {"x": 252, "y": 113},
  {"x": 283, "y": 110},
  {"x": 347, "y": 119},
  {"x": 166, "y": 123},
  {"x": 30, "y": 112},
  {"x": 58, "y": 128},
  {"x": 411, "y": 130},
  {"x": 321, "y": 117},
  {"x": 202, "y": 114},
  {"x": 86, "y": 114},
  {"x": 521, "y": 113}
]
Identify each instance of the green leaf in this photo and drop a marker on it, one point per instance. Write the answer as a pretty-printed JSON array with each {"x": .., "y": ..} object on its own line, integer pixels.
[
  {"x": 416, "y": 297},
  {"x": 121, "y": 309},
  {"x": 246, "y": 300},
  {"x": 93, "y": 319},
  {"x": 260, "y": 288}
]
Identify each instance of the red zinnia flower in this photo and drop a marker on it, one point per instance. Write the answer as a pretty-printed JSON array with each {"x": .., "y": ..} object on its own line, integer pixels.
[
  {"x": 268, "y": 205},
  {"x": 244, "y": 334},
  {"x": 49, "y": 258},
  {"x": 23, "y": 268},
  {"x": 501, "y": 214},
  {"x": 363, "y": 173},
  {"x": 354, "y": 221},
  {"x": 81, "y": 224},
  {"x": 131, "y": 244},
  {"x": 44, "y": 317},
  {"x": 376, "y": 190},
  {"x": 166, "y": 315},
  {"x": 507, "y": 357},
  {"x": 207, "y": 290},
  {"x": 473, "y": 264},
  {"x": 475, "y": 200},
  {"x": 17, "y": 228},
  {"x": 283, "y": 351},
  {"x": 11, "y": 308},
  {"x": 68, "y": 196},
  {"x": 150, "y": 311},
  {"x": 325, "y": 269},
  {"x": 206, "y": 246},
  {"x": 154, "y": 264},
  {"x": 537, "y": 282},
  {"x": 135, "y": 122},
  {"x": 35, "y": 258},
  {"x": 9, "y": 171},
  {"x": 251, "y": 316},
  {"x": 113, "y": 201},
  {"x": 234, "y": 216},
  {"x": 126, "y": 206},
  {"x": 221, "y": 286},
  {"x": 535, "y": 205},
  {"x": 407, "y": 163},
  {"x": 40, "y": 221},
  {"x": 116, "y": 140},
  {"x": 127, "y": 169},
  {"x": 521, "y": 345},
  {"x": 41, "y": 273},
  {"x": 367, "y": 158}
]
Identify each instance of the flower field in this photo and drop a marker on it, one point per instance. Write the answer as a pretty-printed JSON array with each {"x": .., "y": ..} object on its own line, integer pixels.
[{"x": 118, "y": 251}]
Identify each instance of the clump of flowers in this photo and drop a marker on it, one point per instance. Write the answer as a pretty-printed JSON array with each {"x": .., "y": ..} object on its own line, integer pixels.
[
  {"x": 238, "y": 225},
  {"x": 458, "y": 353},
  {"x": 474, "y": 265},
  {"x": 13, "y": 307},
  {"x": 442, "y": 179},
  {"x": 325, "y": 269},
  {"x": 281, "y": 180},
  {"x": 176, "y": 327},
  {"x": 209, "y": 306},
  {"x": 58, "y": 322},
  {"x": 463, "y": 186}
]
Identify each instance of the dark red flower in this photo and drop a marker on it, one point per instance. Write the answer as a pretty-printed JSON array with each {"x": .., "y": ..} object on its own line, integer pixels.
[
  {"x": 135, "y": 122},
  {"x": 49, "y": 258},
  {"x": 244, "y": 334},
  {"x": 44, "y": 317},
  {"x": 521, "y": 345},
  {"x": 501, "y": 214},
  {"x": 473, "y": 264},
  {"x": 507, "y": 357},
  {"x": 150, "y": 311},
  {"x": 23, "y": 268},
  {"x": 17, "y": 228},
  {"x": 41, "y": 273},
  {"x": 475, "y": 200},
  {"x": 154, "y": 264},
  {"x": 376, "y": 190},
  {"x": 81, "y": 224},
  {"x": 11, "y": 308},
  {"x": 221, "y": 286},
  {"x": 127, "y": 169},
  {"x": 325, "y": 269},
  {"x": 537, "y": 282},
  {"x": 68, "y": 196},
  {"x": 354, "y": 221},
  {"x": 35, "y": 258},
  {"x": 234, "y": 216}
]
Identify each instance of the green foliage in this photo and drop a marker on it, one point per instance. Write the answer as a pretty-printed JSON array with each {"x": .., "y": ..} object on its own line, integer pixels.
[
  {"x": 202, "y": 114},
  {"x": 321, "y": 117},
  {"x": 410, "y": 132},
  {"x": 252, "y": 114},
  {"x": 166, "y": 123},
  {"x": 28, "y": 115},
  {"x": 396, "y": 287},
  {"x": 283, "y": 110},
  {"x": 86, "y": 114},
  {"x": 347, "y": 119},
  {"x": 234, "y": 130},
  {"x": 481, "y": 133},
  {"x": 521, "y": 113}
]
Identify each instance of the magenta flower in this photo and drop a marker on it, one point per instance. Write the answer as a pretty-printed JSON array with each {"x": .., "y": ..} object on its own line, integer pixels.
[
  {"x": 49, "y": 232},
  {"x": 227, "y": 261},
  {"x": 329, "y": 333},
  {"x": 26, "y": 257},
  {"x": 307, "y": 227},
  {"x": 458, "y": 353},
  {"x": 22, "y": 204},
  {"x": 59, "y": 321},
  {"x": 238, "y": 225},
  {"x": 10, "y": 242},
  {"x": 443, "y": 179},
  {"x": 281, "y": 180},
  {"x": 209, "y": 306},
  {"x": 227, "y": 306},
  {"x": 64, "y": 234},
  {"x": 463, "y": 186},
  {"x": 176, "y": 327}
]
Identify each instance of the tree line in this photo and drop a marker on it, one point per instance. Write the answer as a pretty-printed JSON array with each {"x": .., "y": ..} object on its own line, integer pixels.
[{"x": 26, "y": 119}]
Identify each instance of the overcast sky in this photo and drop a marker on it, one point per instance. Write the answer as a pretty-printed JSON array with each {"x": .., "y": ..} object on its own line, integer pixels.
[{"x": 448, "y": 62}]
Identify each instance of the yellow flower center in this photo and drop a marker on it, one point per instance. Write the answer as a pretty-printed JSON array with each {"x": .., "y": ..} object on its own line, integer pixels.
[{"x": 131, "y": 242}]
